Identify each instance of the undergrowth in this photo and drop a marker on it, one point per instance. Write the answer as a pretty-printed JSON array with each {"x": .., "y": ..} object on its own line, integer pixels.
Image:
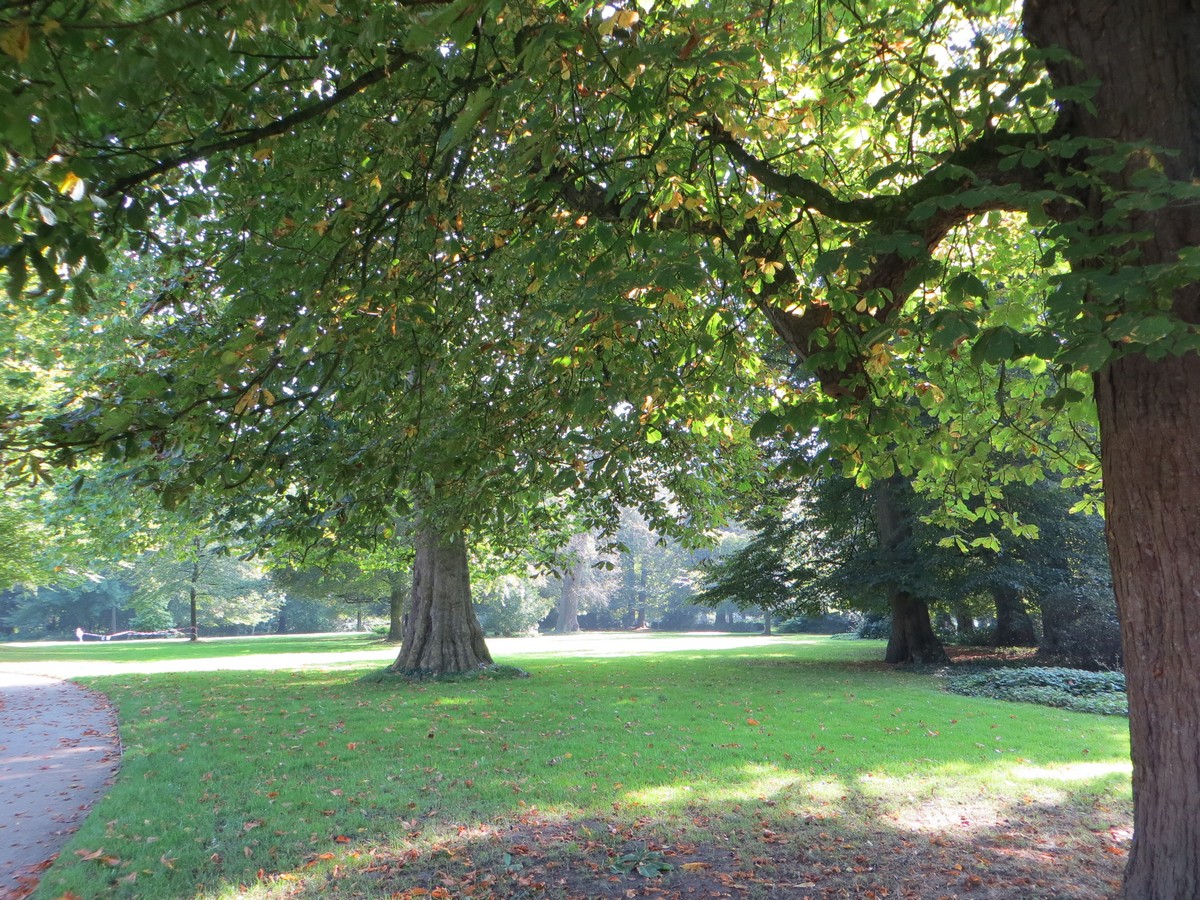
[{"x": 1102, "y": 693}]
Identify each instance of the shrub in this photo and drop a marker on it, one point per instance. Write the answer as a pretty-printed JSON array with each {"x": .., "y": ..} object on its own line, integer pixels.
[
  {"x": 875, "y": 626},
  {"x": 511, "y": 606},
  {"x": 1076, "y": 689},
  {"x": 829, "y": 623}
]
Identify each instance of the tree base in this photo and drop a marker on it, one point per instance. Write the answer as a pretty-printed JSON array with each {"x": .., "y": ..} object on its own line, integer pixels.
[{"x": 487, "y": 672}]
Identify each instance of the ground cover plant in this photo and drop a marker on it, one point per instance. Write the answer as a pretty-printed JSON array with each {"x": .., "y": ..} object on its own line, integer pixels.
[
  {"x": 1093, "y": 692},
  {"x": 799, "y": 767}
]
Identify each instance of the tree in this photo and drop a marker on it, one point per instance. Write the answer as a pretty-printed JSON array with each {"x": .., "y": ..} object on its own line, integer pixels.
[
  {"x": 171, "y": 584},
  {"x": 586, "y": 580},
  {"x": 841, "y": 164}
]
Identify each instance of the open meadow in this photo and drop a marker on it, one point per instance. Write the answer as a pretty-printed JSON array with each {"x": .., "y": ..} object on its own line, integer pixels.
[{"x": 624, "y": 766}]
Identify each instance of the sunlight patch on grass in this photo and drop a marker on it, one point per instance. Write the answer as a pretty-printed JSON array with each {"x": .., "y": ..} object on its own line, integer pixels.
[{"x": 1073, "y": 772}]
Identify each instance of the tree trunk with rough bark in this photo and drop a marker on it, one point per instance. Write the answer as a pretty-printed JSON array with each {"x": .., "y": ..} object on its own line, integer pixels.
[
  {"x": 442, "y": 635},
  {"x": 1014, "y": 625},
  {"x": 1143, "y": 56},
  {"x": 568, "y": 603},
  {"x": 912, "y": 639}
]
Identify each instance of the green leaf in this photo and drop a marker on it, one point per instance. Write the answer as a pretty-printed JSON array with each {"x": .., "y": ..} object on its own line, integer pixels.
[
  {"x": 1089, "y": 354},
  {"x": 993, "y": 346},
  {"x": 767, "y": 425}
]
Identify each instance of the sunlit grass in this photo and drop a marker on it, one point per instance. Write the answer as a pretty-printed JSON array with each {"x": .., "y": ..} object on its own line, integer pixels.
[
  {"x": 259, "y": 783},
  {"x": 155, "y": 650}
]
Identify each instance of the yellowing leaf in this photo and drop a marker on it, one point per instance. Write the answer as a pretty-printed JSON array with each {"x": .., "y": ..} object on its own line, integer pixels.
[
  {"x": 73, "y": 186},
  {"x": 695, "y": 866},
  {"x": 263, "y": 154},
  {"x": 627, "y": 18},
  {"x": 15, "y": 41}
]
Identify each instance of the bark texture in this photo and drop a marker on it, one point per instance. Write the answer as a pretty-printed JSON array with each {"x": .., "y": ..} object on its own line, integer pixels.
[
  {"x": 913, "y": 639},
  {"x": 1143, "y": 55},
  {"x": 568, "y": 604},
  {"x": 442, "y": 635}
]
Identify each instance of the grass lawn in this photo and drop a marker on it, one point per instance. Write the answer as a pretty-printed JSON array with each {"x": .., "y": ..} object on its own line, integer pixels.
[
  {"x": 798, "y": 767},
  {"x": 136, "y": 651}
]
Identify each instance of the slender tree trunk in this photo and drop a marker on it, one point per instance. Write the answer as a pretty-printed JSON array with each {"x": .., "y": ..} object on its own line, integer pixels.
[
  {"x": 912, "y": 639},
  {"x": 1143, "y": 57},
  {"x": 442, "y": 635},
  {"x": 766, "y": 622},
  {"x": 568, "y": 603},
  {"x": 281, "y": 628},
  {"x": 1014, "y": 626},
  {"x": 195, "y": 635},
  {"x": 396, "y": 593}
]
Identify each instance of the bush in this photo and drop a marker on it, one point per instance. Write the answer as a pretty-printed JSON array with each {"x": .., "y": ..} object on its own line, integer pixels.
[
  {"x": 875, "y": 626},
  {"x": 1075, "y": 689},
  {"x": 1080, "y": 628},
  {"x": 830, "y": 623},
  {"x": 511, "y": 607}
]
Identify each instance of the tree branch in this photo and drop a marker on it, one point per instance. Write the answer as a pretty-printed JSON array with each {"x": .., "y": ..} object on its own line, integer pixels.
[{"x": 254, "y": 135}]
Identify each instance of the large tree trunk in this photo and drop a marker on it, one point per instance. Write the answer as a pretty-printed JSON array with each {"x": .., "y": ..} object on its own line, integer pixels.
[
  {"x": 442, "y": 635},
  {"x": 568, "y": 603},
  {"x": 912, "y": 639},
  {"x": 1014, "y": 626},
  {"x": 1143, "y": 57}
]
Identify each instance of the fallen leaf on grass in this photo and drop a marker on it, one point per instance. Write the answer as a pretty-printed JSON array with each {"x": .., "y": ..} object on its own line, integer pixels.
[{"x": 695, "y": 866}]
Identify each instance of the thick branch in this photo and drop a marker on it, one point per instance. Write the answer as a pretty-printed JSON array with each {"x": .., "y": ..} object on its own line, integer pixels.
[{"x": 972, "y": 165}]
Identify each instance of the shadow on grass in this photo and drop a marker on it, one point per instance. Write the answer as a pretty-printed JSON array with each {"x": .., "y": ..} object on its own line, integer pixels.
[
  {"x": 751, "y": 851},
  {"x": 740, "y": 770}
]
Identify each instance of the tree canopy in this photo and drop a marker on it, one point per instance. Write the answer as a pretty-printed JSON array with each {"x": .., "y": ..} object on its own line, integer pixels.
[{"x": 379, "y": 229}]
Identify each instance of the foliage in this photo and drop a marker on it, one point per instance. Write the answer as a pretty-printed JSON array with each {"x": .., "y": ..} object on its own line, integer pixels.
[
  {"x": 19, "y": 548},
  {"x": 645, "y": 862},
  {"x": 510, "y": 605},
  {"x": 829, "y": 623},
  {"x": 1082, "y": 691},
  {"x": 229, "y": 590},
  {"x": 97, "y": 603},
  {"x": 875, "y": 626}
]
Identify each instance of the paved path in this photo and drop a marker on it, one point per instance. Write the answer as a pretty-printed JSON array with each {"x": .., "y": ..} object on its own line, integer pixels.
[{"x": 59, "y": 751}]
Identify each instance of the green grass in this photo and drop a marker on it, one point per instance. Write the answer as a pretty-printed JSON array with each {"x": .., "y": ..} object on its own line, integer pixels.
[
  {"x": 182, "y": 649},
  {"x": 317, "y": 783}
]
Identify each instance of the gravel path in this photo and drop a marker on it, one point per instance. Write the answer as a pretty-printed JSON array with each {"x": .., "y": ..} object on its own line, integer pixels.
[{"x": 59, "y": 751}]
